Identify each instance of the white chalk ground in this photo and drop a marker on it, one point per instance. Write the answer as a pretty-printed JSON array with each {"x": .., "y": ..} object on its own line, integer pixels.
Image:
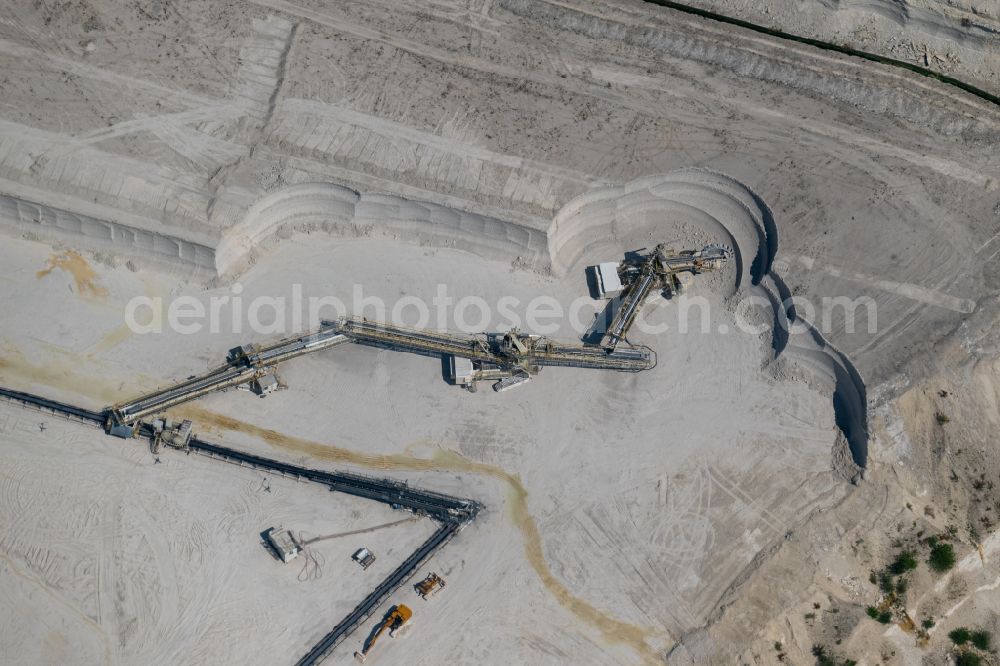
[
  {"x": 108, "y": 557},
  {"x": 955, "y": 37},
  {"x": 651, "y": 493}
]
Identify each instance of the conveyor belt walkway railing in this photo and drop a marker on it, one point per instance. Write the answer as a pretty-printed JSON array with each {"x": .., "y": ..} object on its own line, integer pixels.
[{"x": 250, "y": 362}]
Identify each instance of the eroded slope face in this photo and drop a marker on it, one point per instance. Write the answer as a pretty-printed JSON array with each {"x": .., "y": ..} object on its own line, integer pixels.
[
  {"x": 951, "y": 37},
  {"x": 472, "y": 126}
]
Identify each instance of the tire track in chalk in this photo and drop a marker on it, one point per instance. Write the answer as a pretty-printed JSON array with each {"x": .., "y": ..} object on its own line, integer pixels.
[{"x": 612, "y": 630}]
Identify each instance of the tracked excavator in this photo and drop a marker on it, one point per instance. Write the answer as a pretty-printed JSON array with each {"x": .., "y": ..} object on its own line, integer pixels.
[{"x": 393, "y": 621}]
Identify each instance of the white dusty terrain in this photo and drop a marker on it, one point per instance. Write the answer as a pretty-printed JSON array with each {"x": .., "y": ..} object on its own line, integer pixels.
[
  {"x": 688, "y": 509},
  {"x": 953, "y": 37},
  {"x": 694, "y": 513},
  {"x": 111, "y": 558}
]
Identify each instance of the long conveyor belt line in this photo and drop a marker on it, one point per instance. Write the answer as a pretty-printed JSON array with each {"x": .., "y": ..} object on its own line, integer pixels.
[
  {"x": 451, "y": 512},
  {"x": 388, "y": 491},
  {"x": 253, "y": 362},
  {"x": 236, "y": 372},
  {"x": 441, "y": 507},
  {"x": 541, "y": 353}
]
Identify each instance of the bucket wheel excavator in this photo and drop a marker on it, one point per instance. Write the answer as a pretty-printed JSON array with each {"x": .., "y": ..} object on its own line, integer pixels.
[{"x": 660, "y": 269}]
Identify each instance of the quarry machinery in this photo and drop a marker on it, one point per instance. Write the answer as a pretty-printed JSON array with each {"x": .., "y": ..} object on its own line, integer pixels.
[
  {"x": 429, "y": 585},
  {"x": 640, "y": 274},
  {"x": 508, "y": 358},
  {"x": 176, "y": 436},
  {"x": 393, "y": 621},
  {"x": 248, "y": 364}
]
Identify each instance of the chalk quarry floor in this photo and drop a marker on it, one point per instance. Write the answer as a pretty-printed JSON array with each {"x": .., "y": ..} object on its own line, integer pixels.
[
  {"x": 109, "y": 557},
  {"x": 620, "y": 509},
  {"x": 646, "y": 495}
]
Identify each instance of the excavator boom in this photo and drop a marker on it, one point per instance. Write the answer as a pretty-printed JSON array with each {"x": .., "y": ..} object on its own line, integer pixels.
[
  {"x": 657, "y": 269},
  {"x": 393, "y": 620}
]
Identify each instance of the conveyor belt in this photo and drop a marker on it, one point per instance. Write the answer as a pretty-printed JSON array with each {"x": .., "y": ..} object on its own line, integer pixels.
[
  {"x": 378, "y": 596},
  {"x": 388, "y": 491},
  {"x": 632, "y": 301},
  {"x": 214, "y": 380},
  {"x": 285, "y": 350},
  {"x": 451, "y": 512},
  {"x": 445, "y": 508},
  {"x": 59, "y": 408},
  {"x": 633, "y": 359},
  {"x": 484, "y": 348},
  {"x": 481, "y": 348},
  {"x": 237, "y": 372},
  {"x": 419, "y": 341}
]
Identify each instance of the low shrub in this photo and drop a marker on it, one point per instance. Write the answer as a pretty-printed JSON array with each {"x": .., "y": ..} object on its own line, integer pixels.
[
  {"x": 960, "y": 636},
  {"x": 968, "y": 659},
  {"x": 905, "y": 561},
  {"x": 942, "y": 557}
]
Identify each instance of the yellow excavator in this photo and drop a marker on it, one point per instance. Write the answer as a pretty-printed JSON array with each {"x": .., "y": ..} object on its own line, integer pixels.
[{"x": 393, "y": 620}]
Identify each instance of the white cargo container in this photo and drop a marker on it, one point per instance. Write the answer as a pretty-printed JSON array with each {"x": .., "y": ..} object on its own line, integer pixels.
[
  {"x": 609, "y": 284},
  {"x": 283, "y": 543},
  {"x": 462, "y": 371}
]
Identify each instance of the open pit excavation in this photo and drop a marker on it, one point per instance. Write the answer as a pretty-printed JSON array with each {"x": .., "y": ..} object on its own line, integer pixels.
[{"x": 740, "y": 259}]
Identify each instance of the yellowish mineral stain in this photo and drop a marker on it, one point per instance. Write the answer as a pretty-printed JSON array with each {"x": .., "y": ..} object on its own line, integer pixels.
[
  {"x": 84, "y": 276},
  {"x": 613, "y": 631}
]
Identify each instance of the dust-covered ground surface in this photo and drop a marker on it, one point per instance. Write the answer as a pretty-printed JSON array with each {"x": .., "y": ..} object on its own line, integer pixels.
[
  {"x": 112, "y": 555},
  {"x": 699, "y": 512},
  {"x": 953, "y": 37}
]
